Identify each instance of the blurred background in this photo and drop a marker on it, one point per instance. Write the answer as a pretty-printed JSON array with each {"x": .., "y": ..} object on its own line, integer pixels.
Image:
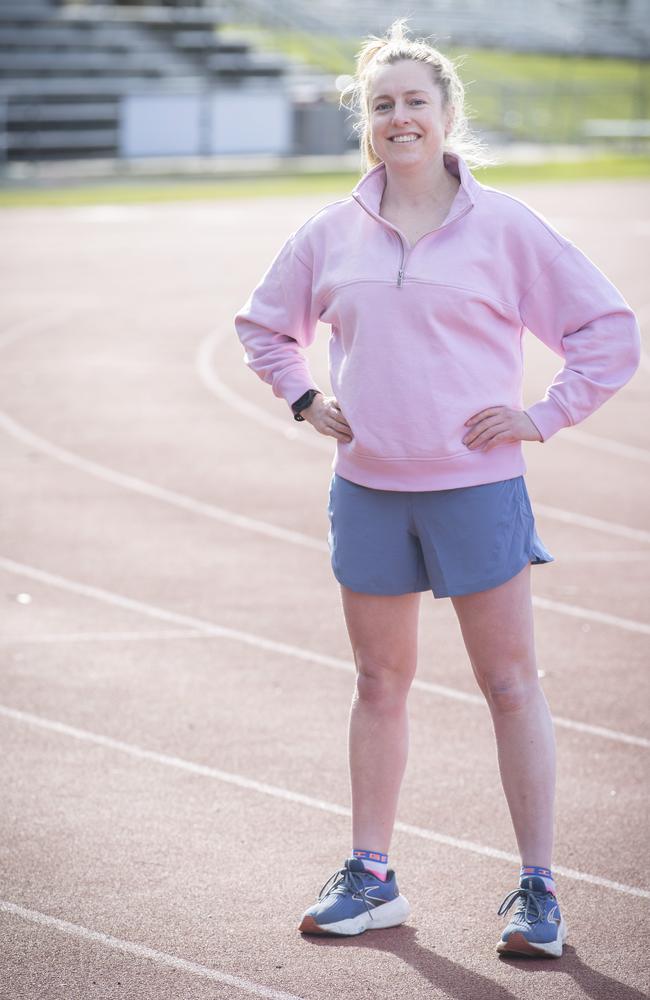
[{"x": 247, "y": 87}]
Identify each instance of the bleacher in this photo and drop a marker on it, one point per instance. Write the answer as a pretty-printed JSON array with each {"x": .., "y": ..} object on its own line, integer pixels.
[
  {"x": 64, "y": 70},
  {"x": 586, "y": 27}
]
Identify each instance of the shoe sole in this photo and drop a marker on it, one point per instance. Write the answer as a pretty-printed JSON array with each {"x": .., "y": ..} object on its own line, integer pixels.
[
  {"x": 387, "y": 915},
  {"x": 517, "y": 944}
]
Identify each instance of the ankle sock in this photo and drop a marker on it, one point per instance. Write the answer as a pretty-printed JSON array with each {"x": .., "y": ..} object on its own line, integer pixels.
[
  {"x": 373, "y": 861},
  {"x": 533, "y": 871}
]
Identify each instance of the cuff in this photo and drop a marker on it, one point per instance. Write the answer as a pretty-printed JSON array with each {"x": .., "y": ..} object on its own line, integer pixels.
[{"x": 548, "y": 417}]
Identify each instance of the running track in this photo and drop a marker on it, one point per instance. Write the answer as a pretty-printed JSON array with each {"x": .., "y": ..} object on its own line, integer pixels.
[{"x": 175, "y": 672}]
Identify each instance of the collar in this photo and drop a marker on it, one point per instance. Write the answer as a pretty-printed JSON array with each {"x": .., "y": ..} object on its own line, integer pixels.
[{"x": 370, "y": 188}]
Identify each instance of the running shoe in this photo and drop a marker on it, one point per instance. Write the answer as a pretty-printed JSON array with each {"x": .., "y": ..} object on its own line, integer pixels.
[
  {"x": 537, "y": 926},
  {"x": 354, "y": 900}
]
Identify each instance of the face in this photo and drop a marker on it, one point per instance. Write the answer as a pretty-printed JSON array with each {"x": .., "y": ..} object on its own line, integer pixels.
[{"x": 405, "y": 101}]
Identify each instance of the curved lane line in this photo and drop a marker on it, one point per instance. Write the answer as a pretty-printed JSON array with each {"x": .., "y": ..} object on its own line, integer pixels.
[
  {"x": 208, "y": 374},
  {"x": 259, "y": 642},
  {"x": 140, "y": 951},
  {"x": 138, "y": 485},
  {"x": 129, "y": 482},
  {"x": 299, "y": 798}
]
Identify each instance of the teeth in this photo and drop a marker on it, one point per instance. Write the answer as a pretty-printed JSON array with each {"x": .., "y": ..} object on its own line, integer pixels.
[{"x": 405, "y": 138}]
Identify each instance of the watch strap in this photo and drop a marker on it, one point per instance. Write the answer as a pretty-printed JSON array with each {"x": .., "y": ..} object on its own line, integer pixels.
[{"x": 301, "y": 404}]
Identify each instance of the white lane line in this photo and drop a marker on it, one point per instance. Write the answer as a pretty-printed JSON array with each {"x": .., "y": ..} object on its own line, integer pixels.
[
  {"x": 138, "y": 485},
  {"x": 208, "y": 374},
  {"x": 606, "y": 444},
  {"x": 226, "y": 516},
  {"x": 595, "y": 616},
  {"x": 275, "y": 791},
  {"x": 158, "y": 492},
  {"x": 259, "y": 642},
  {"x": 47, "y": 637},
  {"x": 140, "y": 951},
  {"x": 619, "y": 556},
  {"x": 38, "y": 324},
  {"x": 586, "y": 521},
  {"x": 88, "y": 590}
]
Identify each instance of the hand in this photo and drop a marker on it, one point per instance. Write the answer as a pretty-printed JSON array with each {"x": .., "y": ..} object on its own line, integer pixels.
[
  {"x": 324, "y": 414},
  {"x": 499, "y": 425}
]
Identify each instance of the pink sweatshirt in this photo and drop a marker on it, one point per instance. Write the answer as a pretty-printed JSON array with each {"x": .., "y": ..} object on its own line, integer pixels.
[{"x": 424, "y": 336}]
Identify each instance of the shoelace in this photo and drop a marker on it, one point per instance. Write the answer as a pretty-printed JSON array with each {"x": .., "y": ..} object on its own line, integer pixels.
[
  {"x": 531, "y": 905},
  {"x": 343, "y": 881}
]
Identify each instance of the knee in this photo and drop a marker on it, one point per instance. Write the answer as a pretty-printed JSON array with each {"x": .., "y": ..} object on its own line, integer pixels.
[
  {"x": 383, "y": 685},
  {"x": 510, "y": 693}
]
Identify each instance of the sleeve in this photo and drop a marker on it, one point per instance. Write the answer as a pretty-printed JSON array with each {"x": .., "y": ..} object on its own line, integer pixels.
[
  {"x": 278, "y": 320},
  {"x": 576, "y": 311}
]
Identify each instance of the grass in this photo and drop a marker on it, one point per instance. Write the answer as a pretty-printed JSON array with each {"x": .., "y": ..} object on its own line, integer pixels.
[
  {"x": 528, "y": 95},
  {"x": 156, "y": 190}
]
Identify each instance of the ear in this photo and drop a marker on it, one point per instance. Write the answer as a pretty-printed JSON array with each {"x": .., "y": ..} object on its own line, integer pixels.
[{"x": 449, "y": 123}]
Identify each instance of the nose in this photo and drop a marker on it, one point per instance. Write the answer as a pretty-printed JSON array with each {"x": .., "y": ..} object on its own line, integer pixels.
[{"x": 401, "y": 113}]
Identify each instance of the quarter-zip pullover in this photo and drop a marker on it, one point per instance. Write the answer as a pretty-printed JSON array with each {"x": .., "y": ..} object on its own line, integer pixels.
[{"x": 424, "y": 336}]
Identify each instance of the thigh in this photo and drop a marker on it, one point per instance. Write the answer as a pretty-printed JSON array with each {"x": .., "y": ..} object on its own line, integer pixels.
[
  {"x": 497, "y": 628},
  {"x": 383, "y": 632}
]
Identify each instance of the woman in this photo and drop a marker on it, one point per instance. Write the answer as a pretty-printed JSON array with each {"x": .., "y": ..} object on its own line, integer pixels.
[{"x": 428, "y": 278}]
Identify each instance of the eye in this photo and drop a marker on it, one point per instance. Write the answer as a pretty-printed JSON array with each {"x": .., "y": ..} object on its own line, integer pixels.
[{"x": 380, "y": 106}]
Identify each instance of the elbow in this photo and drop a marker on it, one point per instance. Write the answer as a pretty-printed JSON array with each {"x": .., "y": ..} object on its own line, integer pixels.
[{"x": 631, "y": 348}]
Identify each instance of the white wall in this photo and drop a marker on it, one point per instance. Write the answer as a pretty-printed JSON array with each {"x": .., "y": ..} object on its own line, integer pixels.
[
  {"x": 250, "y": 121},
  {"x": 160, "y": 125},
  {"x": 232, "y": 120}
]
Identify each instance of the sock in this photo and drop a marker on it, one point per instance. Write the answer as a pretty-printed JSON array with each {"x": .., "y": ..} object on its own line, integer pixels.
[
  {"x": 545, "y": 874},
  {"x": 373, "y": 861}
]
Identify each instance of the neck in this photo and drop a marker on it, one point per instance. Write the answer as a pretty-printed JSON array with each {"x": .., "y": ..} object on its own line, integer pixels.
[{"x": 419, "y": 185}]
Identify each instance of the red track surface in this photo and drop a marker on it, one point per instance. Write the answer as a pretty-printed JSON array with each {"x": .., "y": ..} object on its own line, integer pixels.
[{"x": 171, "y": 786}]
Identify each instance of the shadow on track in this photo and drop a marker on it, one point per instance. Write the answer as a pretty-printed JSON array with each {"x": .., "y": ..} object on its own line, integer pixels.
[{"x": 461, "y": 983}]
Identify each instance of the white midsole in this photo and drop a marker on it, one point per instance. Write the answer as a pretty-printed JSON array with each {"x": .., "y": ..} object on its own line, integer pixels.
[{"x": 386, "y": 915}]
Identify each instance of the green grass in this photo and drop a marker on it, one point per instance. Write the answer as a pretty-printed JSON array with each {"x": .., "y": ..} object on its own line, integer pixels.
[
  {"x": 156, "y": 190},
  {"x": 529, "y": 96}
]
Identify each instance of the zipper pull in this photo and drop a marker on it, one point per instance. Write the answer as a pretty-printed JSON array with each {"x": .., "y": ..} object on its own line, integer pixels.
[{"x": 400, "y": 277}]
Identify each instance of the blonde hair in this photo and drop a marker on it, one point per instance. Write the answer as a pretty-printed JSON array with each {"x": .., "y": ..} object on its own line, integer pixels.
[{"x": 395, "y": 46}]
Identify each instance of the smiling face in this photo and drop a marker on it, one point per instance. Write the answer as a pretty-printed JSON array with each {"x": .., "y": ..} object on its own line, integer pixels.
[{"x": 407, "y": 118}]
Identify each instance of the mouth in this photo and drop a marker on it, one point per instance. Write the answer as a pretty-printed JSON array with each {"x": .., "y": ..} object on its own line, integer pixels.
[{"x": 405, "y": 138}]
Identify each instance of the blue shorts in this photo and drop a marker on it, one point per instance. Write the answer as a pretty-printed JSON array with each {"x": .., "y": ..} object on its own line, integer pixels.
[{"x": 452, "y": 542}]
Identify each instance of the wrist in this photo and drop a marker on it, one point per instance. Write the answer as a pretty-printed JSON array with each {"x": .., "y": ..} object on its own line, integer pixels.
[{"x": 302, "y": 405}]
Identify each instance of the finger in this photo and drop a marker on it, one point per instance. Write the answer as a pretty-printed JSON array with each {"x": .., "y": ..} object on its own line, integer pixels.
[
  {"x": 485, "y": 436},
  {"x": 338, "y": 415},
  {"x": 339, "y": 432},
  {"x": 341, "y": 423},
  {"x": 497, "y": 440},
  {"x": 477, "y": 434},
  {"x": 490, "y": 411},
  {"x": 501, "y": 438}
]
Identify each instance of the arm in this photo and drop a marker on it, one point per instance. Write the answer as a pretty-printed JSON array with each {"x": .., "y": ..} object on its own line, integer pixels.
[
  {"x": 576, "y": 311},
  {"x": 278, "y": 319}
]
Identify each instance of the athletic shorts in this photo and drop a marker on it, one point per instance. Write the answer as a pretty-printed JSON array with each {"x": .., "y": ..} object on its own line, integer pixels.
[{"x": 452, "y": 542}]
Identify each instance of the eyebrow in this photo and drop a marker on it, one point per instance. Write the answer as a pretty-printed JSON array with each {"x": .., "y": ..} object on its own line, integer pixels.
[{"x": 381, "y": 97}]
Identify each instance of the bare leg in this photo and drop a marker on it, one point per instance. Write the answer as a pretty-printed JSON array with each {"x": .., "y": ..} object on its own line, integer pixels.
[
  {"x": 383, "y": 634},
  {"x": 497, "y": 628}
]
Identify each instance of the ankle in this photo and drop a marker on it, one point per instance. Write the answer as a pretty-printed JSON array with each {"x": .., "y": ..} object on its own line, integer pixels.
[{"x": 373, "y": 861}]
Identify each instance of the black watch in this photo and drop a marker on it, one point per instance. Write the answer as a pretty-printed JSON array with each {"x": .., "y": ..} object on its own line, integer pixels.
[{"x": 305, "y": 400}]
